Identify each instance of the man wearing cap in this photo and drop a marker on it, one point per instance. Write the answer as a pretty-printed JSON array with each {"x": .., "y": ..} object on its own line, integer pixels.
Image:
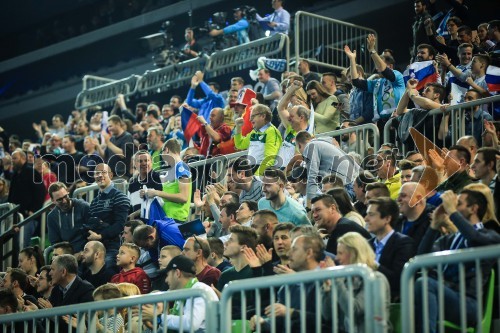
[
  {"x": 181, "y": 274},
  {"x": 263, "y": 142},
  {"x": 240, "y": 27}
]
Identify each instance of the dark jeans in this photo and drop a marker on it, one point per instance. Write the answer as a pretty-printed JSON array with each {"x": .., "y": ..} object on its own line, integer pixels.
[{"x": 451, "y": 305}]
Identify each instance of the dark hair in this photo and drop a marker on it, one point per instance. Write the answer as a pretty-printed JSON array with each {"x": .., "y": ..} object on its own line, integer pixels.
[
  {"x": 406, "y": 165},
  {"x": 267, "y": 214},
  {"x": 342, "y": 199},
  {"x": 365, "y": 177},
  {"x": 65, "y": 246},
  {"x": 252, "y": 205},
  {"x": 484, "y": 59},
  {"x": 242, "y": 164},
  {"x": 54, "y": 187},
  {"x": 141, "y": 234},
  {"x": 273, "y": 172},
  {"x": 216, "y": 246},
  {"x": 70, "y": 138},
  {"x": 231, "y": 208},
  {"x": 330, "y": 74},
  {"x": 17, "y": 274},
  {"x": 284, "y": 226},
  {"x": 455, "y": 19},
  {"x": 386, "y": 207},
  {"x": 215, "y": 84},
  {"x": 381, "y": 188},
  {"x": 411, "y": 153},
  {"x": 476, "y": 198},
  {"x": 388, "y": 154},
  {"x": 133, "y": 224},
  {"x": 34, "y": 252},
  {"x": 494, "y": 24},
  {"x": 318, "y": 87},
  {"x": 235, "y": 198},
  {"x": 438, "y": 89},
  {"x": 303, "y": 137},
  {"x": 327, "y": 200},
  {"x": 173, "y": 146},
  {"x": 153, "y": 112},
  {"x": 462, "y": 152},
  {"x": 8, "y": 298},
  {"x": 46, "y": 268},
  {"x": 466, "y": 29},
  {"x": 489, "y": 155},
  {"x": 430, "y": 49},
  {"x": 246, "y": 235},
  {"x": 333, "y": 179}
]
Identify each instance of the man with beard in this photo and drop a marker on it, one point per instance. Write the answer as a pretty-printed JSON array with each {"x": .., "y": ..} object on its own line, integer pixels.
[
  {"x": 66, "y": 220},
  {"x": 419, "y": 33},
  {"x": 93, "y": 257},
  {"x": 264, "y": 221},
  {"x": 285, "y": 208},
  {"x": 145, "y": 176},
  {"x": 119, "y": 145},
  {"x": 191, "y": 49},
  {"x": 44, "y": 282}
]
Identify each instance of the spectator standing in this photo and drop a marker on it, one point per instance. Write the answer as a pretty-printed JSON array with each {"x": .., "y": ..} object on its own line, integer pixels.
[
  {"x": 304, "y": 68},
  {"x": 277, "y": 22},
  {"x": 418, "y": 27},
  {"x": 240, "y": 27},
  {"x": 271, "y": 90},
  {"x": 326, "y": 115}
]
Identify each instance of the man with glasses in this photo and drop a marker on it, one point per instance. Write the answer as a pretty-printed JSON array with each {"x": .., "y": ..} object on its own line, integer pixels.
[
  {"x": 66, "y": 220},
  {"x": 263, "y": 142}
]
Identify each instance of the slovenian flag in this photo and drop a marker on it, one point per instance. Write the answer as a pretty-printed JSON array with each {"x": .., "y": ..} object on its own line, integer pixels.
[
  {"x": 423, "y": 71},
  {"x": 493, "y": 78},
  {"x": 190, "y": 125}
]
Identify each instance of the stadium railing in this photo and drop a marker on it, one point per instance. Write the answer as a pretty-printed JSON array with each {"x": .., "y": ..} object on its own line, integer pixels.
[
  {"x": 85, "y": 313},
  {"x": 87, "y": 193},
  {"x": 437, "y": 262},
  {"x": 9, "y": 217},
  {"x": 456, "y": 128},
  {"x": 374, "y": 299},
  {"x": 321, "y": 41}
]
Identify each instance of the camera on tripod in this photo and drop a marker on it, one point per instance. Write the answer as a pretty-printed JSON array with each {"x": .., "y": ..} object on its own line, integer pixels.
[{"x": 161, "y": 44}]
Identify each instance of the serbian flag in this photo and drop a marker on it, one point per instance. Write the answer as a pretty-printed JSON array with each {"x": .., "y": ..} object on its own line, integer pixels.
[
  {"x": 493, "y": 78},
  {"x": 190, "y": 125},
  {"x": 423, "y": 71}
]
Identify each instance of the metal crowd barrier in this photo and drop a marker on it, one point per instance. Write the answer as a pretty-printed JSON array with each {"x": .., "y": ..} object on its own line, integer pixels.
[
  {"x": 245, "y": 56},
  {"x": 105, "y": 94},
  {"x": 321, "y": 41},
  {"x": 458, "y": 120},
  {"x": 363, "y": 133},
  {"x": 85, "y": 313},
  {"x": 170, "y": 77},
  {"x": 438, "y": 261},
  {"x": 92, "y": 81},
  {"x": 9, "y": 214},
  {"x": 375, "y": 314}
]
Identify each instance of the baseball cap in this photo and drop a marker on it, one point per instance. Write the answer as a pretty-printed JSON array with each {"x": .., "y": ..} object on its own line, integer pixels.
[{"x": 181, "y": 263}]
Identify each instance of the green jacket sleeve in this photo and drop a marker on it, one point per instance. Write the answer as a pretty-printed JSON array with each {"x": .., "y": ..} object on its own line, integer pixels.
[{"x": 242, "y": 142}]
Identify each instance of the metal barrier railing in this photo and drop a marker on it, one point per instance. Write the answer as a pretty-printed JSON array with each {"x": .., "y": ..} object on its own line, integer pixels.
[
  {"x": 375, "y": 314},
  {"x": 105, "y": 95},
  {"x": 170, "y": 77},
  {"x": 362, "y": 137},
  {"x": 457, "y": 128},
  {"x": 421, "y": 264},
  {"x": 321, "y": 41},
  {"x": 245, "y": 56},
  {"x": 86, "y": 313},
  {"x": 9, "y": 217},
  {"x": 92, "y": 81}
]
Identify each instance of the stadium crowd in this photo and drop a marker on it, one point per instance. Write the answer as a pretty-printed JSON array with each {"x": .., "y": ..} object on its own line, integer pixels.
[{"x": 296, "y": 201}]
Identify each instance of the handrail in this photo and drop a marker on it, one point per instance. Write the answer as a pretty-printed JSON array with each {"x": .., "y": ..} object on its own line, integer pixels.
[
  {"x": 363, "y": 129},
  {"x": 316, "y": 34},
  {"x": 34, "y": 216},
  {"x": 87, "y": 79},
  {"x": 432, "y": 260},
  {"x": 125, "y": 302},
  {"x": 10, "y": 212},
  {"x": 371, "y": 310},
  {"x": 452, "y": 108}
]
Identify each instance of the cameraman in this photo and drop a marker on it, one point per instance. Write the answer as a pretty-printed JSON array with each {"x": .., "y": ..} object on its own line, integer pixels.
[
  {"x": 240, "y": 27},
  {"x": 66, "y": 220},
  {"x": 192, "y": 48},
  {"x": 277, "y": 22}
]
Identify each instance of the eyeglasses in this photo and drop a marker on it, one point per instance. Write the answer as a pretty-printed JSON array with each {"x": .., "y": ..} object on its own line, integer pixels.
[
  {"x": 62, "y": 199},
  {"x": 198, "y": 242},
  {"x": 96, "y": 173}
]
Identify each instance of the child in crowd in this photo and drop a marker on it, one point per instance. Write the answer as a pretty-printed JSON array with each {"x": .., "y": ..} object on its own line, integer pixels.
[{"x": 127, "y": 257}]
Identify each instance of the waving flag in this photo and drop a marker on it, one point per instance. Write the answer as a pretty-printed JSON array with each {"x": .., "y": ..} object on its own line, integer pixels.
[
  {"x": 423, "y": 71},
  {"x": 457, "y": 90},
  {"x": 493, "y": 78},
  {"x": 190, "y": 125}
]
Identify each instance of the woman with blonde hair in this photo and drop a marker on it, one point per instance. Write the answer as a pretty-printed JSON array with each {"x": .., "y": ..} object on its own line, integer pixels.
[
  {"x": 352, "y": 248},
  {"x": 4, "y": 190}
]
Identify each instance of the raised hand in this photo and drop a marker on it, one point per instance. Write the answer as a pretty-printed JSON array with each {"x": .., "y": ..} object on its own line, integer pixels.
[
  {"x": 371, "y": 40},
  {"x": 350, "y": 54}
]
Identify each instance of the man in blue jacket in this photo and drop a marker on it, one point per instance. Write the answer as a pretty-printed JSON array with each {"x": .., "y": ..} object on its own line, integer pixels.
[
  {"x": 240, "y": 27},
  {"x": 211, "y": 100}
]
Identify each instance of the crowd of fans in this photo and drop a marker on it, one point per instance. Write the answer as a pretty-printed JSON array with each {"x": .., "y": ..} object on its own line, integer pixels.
[{"x": 296, "y": 202}]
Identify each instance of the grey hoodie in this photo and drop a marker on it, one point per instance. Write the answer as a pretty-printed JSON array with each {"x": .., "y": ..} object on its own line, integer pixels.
[{"x": 322, "y": 158}]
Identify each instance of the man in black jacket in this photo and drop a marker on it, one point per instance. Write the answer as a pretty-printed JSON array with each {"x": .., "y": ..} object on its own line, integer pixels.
[
  {"x": 328, "y": 220},
  {"x": 68, "y": 287},
  {"x": 26, "y": 190},
  {"x": 392, "y": 249}
]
